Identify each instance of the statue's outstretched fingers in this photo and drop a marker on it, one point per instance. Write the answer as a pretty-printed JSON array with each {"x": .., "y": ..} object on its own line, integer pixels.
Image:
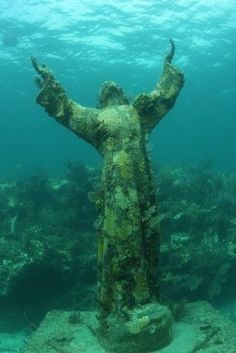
[
  {"x": 171, "y": 53},
  {"x": 42, "y": 70},
  {"x": 35, "y": 64}
]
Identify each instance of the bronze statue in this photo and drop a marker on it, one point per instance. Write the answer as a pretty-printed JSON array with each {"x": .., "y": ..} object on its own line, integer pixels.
[{"x": 128, "y": 236}]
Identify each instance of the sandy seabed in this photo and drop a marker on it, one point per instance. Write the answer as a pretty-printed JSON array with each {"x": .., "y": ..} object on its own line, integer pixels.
[{"x": 202, "y": 329}]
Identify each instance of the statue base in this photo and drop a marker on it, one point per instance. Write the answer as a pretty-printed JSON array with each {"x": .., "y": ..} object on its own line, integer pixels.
[
  {"x": 148, "y": 329},
  {"x": 201, "y": 328}
]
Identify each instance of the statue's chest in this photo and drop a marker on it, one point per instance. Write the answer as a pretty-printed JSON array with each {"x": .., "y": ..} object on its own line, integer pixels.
[{"x": 120, "y": 122}]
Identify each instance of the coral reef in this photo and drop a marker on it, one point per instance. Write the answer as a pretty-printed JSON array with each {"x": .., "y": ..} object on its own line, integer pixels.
[
  {"x": 197, "y": 214},
  {"x": 46, "y": 231},
  {"x": 198, "y": 251}
]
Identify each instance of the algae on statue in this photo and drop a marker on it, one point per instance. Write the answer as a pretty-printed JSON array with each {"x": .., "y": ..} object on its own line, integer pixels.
[{"x": 128, "y": 236}]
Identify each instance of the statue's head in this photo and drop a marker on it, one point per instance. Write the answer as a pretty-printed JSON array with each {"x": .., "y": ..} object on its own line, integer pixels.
[{"x": 111, "y": 93}]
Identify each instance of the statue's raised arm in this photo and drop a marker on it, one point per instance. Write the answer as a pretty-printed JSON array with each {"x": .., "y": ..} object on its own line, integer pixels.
[
  {"x": 155, "y": 105},
  {"x": 81, "y": 120}
]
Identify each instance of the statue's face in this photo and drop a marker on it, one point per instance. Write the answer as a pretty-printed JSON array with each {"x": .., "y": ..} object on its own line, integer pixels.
[{"x": 111, "y": 94}]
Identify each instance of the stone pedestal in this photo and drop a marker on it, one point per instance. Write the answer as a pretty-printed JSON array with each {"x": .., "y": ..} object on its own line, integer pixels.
[
  {"x": 149, "y": 329},
  {"x": 202, "y": 329}
]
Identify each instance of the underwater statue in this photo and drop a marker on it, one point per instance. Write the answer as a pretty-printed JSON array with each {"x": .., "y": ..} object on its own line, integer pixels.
[{"x": 128, "y": 235}]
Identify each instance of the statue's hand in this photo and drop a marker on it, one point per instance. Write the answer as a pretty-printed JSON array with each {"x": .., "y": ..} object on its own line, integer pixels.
[{"x": 42, "y": 71}]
